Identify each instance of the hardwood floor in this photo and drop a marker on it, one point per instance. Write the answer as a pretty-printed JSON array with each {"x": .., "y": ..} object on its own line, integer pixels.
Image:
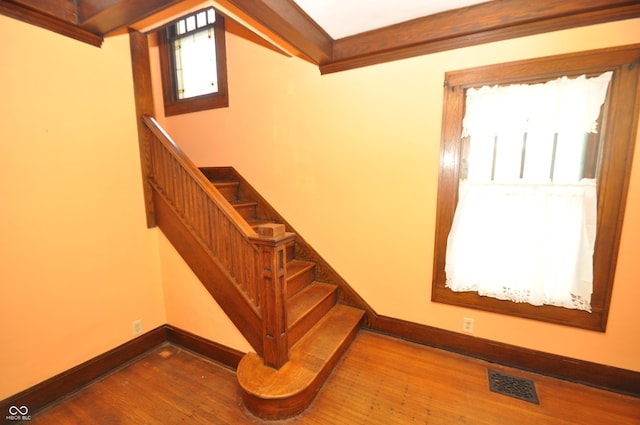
[{"x": 380, "y": 380}]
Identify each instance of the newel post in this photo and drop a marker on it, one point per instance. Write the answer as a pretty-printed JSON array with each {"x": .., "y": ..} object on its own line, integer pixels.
[{"x": 272, "y": 244}]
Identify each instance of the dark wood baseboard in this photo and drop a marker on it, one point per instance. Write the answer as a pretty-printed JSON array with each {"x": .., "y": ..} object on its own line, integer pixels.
[
  {"x": 588, "y": 373},
  {"x": 65, "y": 383},
  {"x": 52, "y": 389},
  {"x": 212, "y": 350}
]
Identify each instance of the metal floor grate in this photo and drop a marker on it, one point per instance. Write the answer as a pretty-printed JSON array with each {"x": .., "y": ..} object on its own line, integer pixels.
[{"x": 520, "y": 388}]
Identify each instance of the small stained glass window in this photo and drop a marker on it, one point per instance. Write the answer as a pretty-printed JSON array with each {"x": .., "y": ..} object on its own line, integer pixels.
[
  {"x": 194, "y": 48},
  {"x": 193, "y": 62}
]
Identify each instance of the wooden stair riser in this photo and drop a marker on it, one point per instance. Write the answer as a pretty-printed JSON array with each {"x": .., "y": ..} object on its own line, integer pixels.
[
  {"x": 228, "y": 189},
  {"x": 299, "y": 276},
  {"x": 246, "y": 209},
  {"x": 291, "y": 251},
  {"x": 307, "y": 307}
]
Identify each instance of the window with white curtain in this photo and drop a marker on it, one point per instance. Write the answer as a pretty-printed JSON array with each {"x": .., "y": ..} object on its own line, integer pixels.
[
  {"x": 519, "y": 180},
  {"x": 525, "y": 224}
]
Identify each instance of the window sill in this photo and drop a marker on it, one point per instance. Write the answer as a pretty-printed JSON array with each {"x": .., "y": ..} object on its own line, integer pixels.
[
  {"x": 546, "y": 313},
  {"x": 196, "y": 104}
]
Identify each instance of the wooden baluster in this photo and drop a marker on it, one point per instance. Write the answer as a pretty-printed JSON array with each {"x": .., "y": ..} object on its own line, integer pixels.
[{"x": 272, "y": 289}]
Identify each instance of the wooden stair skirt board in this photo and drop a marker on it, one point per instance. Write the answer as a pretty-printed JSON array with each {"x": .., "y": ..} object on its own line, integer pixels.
[
  {"x": 279, "y": 394},
  {"x": 304, "y": 266}
]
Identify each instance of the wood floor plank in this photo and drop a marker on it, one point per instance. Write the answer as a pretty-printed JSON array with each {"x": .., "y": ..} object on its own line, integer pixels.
[{"x": 380, "y": 380}]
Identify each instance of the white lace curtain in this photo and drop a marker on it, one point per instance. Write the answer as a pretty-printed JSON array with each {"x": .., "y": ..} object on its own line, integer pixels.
[{"x": 517, "y": 235}]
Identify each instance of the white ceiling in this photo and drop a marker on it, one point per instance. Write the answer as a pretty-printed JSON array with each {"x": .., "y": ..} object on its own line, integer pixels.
[{"x": 342, "y": 18}]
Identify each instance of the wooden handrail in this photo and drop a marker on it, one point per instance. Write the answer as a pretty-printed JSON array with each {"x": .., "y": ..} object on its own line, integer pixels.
[
  {"x": 205, "y": 211},
  {"x": 198, "y": 177}
]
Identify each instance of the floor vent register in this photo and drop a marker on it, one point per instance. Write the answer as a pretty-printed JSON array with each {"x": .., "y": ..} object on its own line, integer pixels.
[{"x": 520, "y": 388}]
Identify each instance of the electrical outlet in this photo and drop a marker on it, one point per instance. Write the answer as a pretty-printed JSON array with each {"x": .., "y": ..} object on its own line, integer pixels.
[
  {"x": 136, "y": 327},
  {"x": 467, "y": 325}
]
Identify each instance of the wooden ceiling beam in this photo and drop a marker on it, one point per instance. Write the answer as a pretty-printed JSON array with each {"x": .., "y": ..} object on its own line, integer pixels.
[
  {"x": 90, "y": 8},
  {"x": 107, "y": 16},
  {"x": 47, "y": 21},
  {"x": 286, "y": 20},
  {"x": 63, "y": 10},
  {"x": 481, "y": 23}
]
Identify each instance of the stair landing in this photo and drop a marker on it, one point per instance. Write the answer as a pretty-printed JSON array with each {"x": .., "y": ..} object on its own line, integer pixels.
[{"x": 282, "y": 393}]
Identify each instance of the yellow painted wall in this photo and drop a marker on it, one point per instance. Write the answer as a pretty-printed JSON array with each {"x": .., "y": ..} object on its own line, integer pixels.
[
  {"x": 77, "y": 263},
  {"x": 190, "y": 307},
  {"x": 351, "y": 159},
  {"x": 354, "y": 152}
]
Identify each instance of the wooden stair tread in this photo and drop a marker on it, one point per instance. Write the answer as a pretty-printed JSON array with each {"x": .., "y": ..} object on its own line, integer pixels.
[
  {"x": 304, "y": 301},
  {"x": 284, "y": 392},
  {"x": 225, "y": 182},
  {"x": 255, "y": 222},
  {"x": 296, "y": 267},
  {"x": 242, "y": 203},
  {"x": 306, "y": 358}
]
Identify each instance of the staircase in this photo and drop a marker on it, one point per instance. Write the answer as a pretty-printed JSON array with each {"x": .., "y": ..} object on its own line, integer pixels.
[
  {"x": 319, "y": 329},
  {"x": 297, "y": 313}
]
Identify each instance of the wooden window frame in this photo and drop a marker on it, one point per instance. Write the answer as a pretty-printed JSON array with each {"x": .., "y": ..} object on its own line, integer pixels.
[
  {"x": 619, "y": 126},
  {"x": 172, "y": 104}
]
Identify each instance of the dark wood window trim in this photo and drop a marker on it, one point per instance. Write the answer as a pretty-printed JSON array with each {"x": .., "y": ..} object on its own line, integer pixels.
[
  {"x": 618, "y": 131},
  {"x": 175, "y": 106}
]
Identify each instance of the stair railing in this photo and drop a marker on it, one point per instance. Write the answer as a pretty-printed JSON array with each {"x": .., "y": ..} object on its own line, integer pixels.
[{"x": 255, "y": 262}]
